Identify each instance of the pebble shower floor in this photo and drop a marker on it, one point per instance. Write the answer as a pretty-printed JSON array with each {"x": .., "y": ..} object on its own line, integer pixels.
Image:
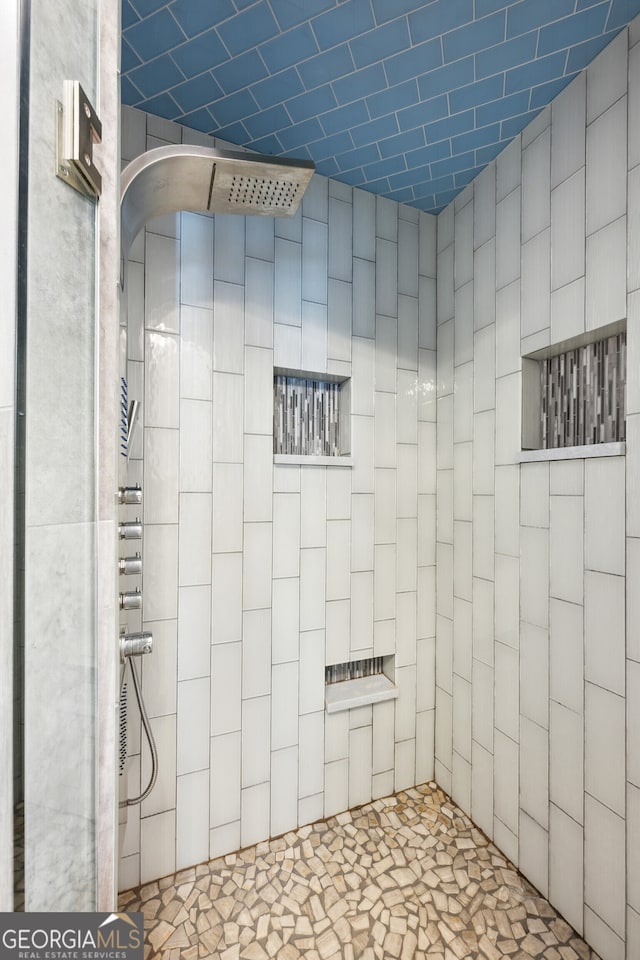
[{"x": 405, "y": 877}]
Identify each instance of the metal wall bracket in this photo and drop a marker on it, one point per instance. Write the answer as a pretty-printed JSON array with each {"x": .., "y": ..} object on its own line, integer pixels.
[{"x": 77, "y": 127}]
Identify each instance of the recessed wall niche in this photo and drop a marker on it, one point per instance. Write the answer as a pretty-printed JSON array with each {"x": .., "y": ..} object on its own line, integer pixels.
[
  {"x": 574, "y": 392},
  {"x": 311, "y": 417}
]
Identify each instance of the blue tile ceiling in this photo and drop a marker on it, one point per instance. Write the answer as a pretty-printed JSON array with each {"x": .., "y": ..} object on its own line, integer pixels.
[{"x": 406, "y": 98}]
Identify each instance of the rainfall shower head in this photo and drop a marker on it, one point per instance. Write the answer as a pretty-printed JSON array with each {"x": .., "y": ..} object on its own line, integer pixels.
[{"x": 181, "y": 177}]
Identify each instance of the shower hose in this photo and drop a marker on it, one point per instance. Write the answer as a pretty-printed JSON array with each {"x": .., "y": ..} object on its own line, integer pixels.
[{"x": 148, "y": 732}]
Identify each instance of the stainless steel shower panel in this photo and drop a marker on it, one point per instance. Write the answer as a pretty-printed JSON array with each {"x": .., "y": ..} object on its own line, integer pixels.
[{"x": 206, "y": 180}]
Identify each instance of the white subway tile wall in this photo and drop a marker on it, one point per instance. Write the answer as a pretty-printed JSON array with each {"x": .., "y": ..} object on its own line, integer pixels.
[
  {"x": 257, "y": 576},
  {"x": 542, "y": 650}
]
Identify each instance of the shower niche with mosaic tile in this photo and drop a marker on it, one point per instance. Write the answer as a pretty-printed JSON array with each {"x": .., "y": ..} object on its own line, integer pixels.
[
  {"x": 311, "y": 418},
  {"x": 574, "y": 393},
  {"x": 359, "y": 682}
]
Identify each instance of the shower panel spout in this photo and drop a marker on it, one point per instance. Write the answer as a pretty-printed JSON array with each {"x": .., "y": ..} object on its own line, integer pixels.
[{"x": 206, "y": 180}]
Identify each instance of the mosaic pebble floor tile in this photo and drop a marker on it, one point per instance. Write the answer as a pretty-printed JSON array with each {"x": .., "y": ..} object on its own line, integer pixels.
[{"x": 405, "y": 877}]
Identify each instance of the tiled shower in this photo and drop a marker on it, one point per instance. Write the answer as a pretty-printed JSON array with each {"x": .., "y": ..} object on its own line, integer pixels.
[
  {"x": 258, "y": 575},
  {"x": 487, "y": 573}
]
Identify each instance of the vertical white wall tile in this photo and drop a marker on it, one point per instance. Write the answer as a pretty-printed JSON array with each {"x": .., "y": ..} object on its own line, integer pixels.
[
  {"x": 284, "y": 791},
  {"x": 339, "y": 319},
  {"x": 568, "y": 130},
  {"x": 256, "y": 566},
  {"x": 193, "y": 725},
  {"x": 228, "y": 327},
  {"x": 288, "y": 282},
  {"x": 534, "y": 575},
  {"x": 162, "y": 284},
  {"x": 482, "y": 788},
  {"x": 228, "y": 407},
  {"x": 508, "y": 240},
  {"x": 312, "y": 661},
  {"x": 463, "y": 324},
  {"x": 285, "y": 620},
  {"x": 566, "y": 654},
  {"x": 408, "y": 332},
  {"x": 338, "y": 630},
  {"x": 194, "y": 559},
  {"x": 604, "y": 864},
  {"x": 284, "y": 706},
  {"x": 405, "y": 764},
  {"x": 314, "y": 260},
  {"x": 226, "y": 598},
  {"x": 163, "y": 796},
  {"x": 505, "y": 781},
  {"x": 604, "y": 608},
  {"x": 161, "y": 571},
  {"x": 363, "y": 376},
  {"x": 536, "y": 186},
  {"x": 260, "y": 239},
  {"x": 508, "y": 407},
  {"x": 566, "y": 760},
  {"x": 534, "y": 771},
  {"x": 362, "y": 447},
  {"x": 256, "y": 653},
  {"x": 604, "y": 515},
  {"x": 311, "y": 755},
  {"x": 227, "y": 507},
  {"x": 604, "y": 714},
  {"x": 312, "y": 589},
  {"x": 607, "y": 77},
  {"x": 255, "y": 814},
  {"x": 286, "y": 535},
  {"x": 536, "y": 283},
  {"x": 606, "y": 268},
  {"x": 566, "y": 865},
  {"x": 336, "y": 791},
  {"x": 194, "y": 632},
  {"x": 507, "y": 530},
  {"x": 364, "y": 302},
  {"x": 157, "y": 845},
  {"x": 484, "y": 285},
  {"x": 386, "y": 277},
  {"x": 161, "y": 464},
  {"x": 195, "y": 445},
  {"x": 228, "y": 248},
  {"x": 507, "y": 705},
  {"x": 226, "y": 688},
  {"x": 313, "y": 495},
  {"x": 484, "y": 369},
  {"x": 484, "y": 202},
  {"x": 363, "y": 529},
  {"x": 256, "y": 735},
  {"x": 258, "y": 391},
  {"x": 385, "y": 353},
  {"x": 567, "y": 230},
  {"x": 566, "y": 556},
  {"x": 340, "y": 239},
  {"x": 161, "y": 392},
  {"x": 258, "y": 486},
  {"x": 196, "y": 352},
  {"x": 533, "y": 843},
  {"x": 361, "y": 611},
  {"x": 314, "y": 336},
  {"x": 192, "y": 819},
  {"x": 534, "y": 674}
]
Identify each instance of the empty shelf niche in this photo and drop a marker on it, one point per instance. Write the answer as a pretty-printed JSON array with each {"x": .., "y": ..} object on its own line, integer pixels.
[
  {"x": 358, "y": 683},
  {"x": 311, "y": 417}
]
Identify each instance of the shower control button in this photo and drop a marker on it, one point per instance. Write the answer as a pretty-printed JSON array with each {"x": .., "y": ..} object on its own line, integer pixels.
[
  {"x": 130, "y": 495},
  {"x": 131, "y": 600},
  {"x": 135, "y": 645},
  {"x": 130, "y": 530},
  {"x": 130, "y": 566}
]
